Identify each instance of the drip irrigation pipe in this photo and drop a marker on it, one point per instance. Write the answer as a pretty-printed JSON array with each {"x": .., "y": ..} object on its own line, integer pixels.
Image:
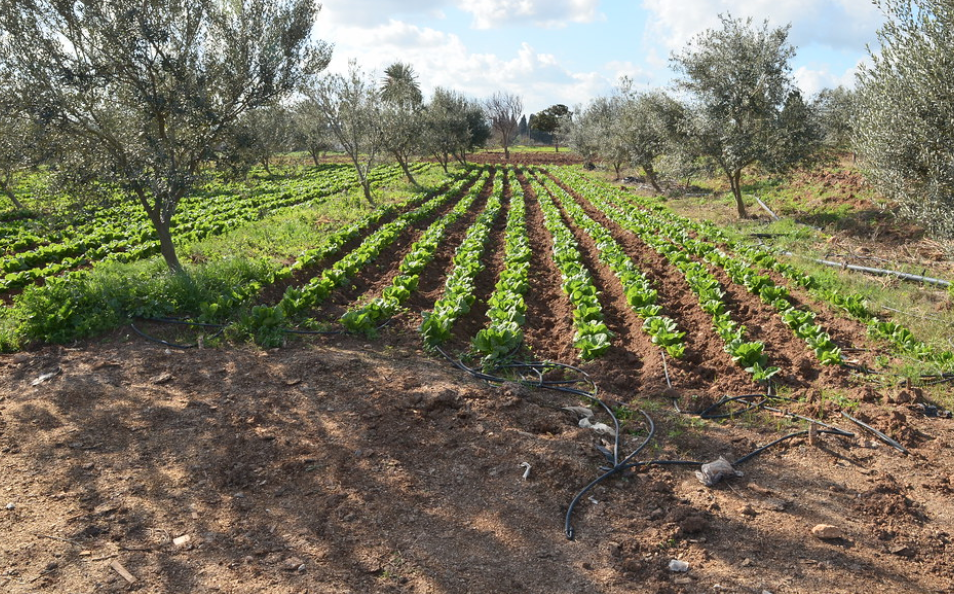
[
  {"x": 833, "y": 429},
  {"x": 877, "y": 434},
  {"x": 918, "y": 316},
  {"x": 313, "y": 332},
  {"x": 621, "y": 465},
  {"x": 946, "y": 378},
  {"x": 540, "y": 367},
  {"x": 763, "y": 404},
  {"x": 706, "y": 413},
  {"x": 618, "y": 466},
  {"x": 862, "y": 368},
  {"x": 666, "y": 369},
  {"x": 175, "y": 345},
  {"x": 182, "y": 322},
  {"x": 878, "y": 271}
]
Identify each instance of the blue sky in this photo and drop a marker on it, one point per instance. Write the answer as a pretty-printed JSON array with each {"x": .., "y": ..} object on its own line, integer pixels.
[{"x": 570, "y": 51}]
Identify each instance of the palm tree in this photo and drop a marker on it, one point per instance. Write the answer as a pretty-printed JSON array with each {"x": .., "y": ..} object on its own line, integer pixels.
[
  {"x": 403, "y": 115},
  {"x": 400, "y": 85}
]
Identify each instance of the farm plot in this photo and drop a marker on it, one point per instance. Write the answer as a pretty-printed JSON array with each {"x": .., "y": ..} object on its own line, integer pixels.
[
  {"x": 576, "y": 272},
  {"x": 357, "y": 459},
  {"x": 33, "y": 251}
]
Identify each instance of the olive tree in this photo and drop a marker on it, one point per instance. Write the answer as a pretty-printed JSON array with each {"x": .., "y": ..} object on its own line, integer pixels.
[
  {"x": 904, "y": 126},
  {"x": 270, "y": 134},
  {"x": 350, "y": 106},
  {"x": 598, "y": 132},
  {"x": 503, "y": 113},
  {"x": 739, "y": 80},
  {"x": 835, "y": 109},
  {"x": 453, "y": 127},
  {"x": 649, "y": 120},
  {"x": 144, "y": 89},
  {"x": 15, "y": 131},
  {"x": 309, "y": 131}
]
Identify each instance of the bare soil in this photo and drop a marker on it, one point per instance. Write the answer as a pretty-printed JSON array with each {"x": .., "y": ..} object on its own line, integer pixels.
[{"x": 346, "y": 465}]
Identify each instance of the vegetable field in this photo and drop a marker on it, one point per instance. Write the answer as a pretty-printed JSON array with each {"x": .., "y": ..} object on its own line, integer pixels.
[
  {"x": 501, "y": 264},
  {"x": 35, "y": 249},
  {"x": 343, "y": 452},
  {"x": 504, "y": 264}
]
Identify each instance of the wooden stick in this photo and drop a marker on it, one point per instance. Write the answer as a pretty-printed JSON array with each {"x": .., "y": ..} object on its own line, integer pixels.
[{"x": 118, "y": 567}]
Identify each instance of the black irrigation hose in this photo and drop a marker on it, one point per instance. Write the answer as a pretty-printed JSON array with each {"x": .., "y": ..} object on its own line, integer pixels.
[
  {"x": 942, "y": 380},
  {"x": 540, "y": 367},
  {"x": 626, "y": 463},
  {"x": 810, "y": 420},
  {"x": 707, "y": 414},
  {"x": 862, "y": 368},
  {"x": 182, "y": 322},
  {"x": 175, "y": 345},
  {"x": 618, "y": 466},
  {"x": 877, "y": 433},
  {"x": 313, "y": 332}
]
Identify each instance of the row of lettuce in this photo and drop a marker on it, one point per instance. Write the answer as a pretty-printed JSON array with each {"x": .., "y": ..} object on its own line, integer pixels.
[
  {"x": 570, "y": 203},
  {"x": 35, "y": 249}
]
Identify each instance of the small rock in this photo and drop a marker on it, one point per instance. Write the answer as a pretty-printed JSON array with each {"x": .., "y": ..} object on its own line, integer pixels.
[
  {"x": 713, "y": 472},
  {"x": 162, "y": 378},
  {"x": 827, "y": 532},
  {"x": 679, "y": 566},
  {"x": 11, "y": 507},
  {"x": 901, "y": 550}
]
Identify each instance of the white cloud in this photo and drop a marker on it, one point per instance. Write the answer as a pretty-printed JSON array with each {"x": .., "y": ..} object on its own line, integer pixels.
[
  {"x": 812, "y": 79},
  {"x": 842, "y": 24},
  {"x": 441, "y": 59},
  {"x": 376, "y": 12},
  {"x": 641, "y": 78},
  {"x": 550, "y": 14}
]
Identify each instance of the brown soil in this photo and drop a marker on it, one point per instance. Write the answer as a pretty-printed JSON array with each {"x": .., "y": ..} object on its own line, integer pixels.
[
  {"x": 548, "y": 157},
  {"x": 339, "y": 467},
  {"x": 344, "y": 465}
]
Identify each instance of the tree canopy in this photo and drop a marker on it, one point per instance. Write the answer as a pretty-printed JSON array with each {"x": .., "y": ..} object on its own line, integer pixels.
[
  {"x": 905, "y": 118},
  {"x": 740, "y": 83},
  {"x": 551, "y": 120},
  {"x": 350, "y": 106},
  {"x": 454, "y": 126},
  {"x": 142, "y": 91}
]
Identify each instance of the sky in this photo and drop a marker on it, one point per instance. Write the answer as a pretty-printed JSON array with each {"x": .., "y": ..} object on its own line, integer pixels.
[{"x": 572, "y": 51}]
